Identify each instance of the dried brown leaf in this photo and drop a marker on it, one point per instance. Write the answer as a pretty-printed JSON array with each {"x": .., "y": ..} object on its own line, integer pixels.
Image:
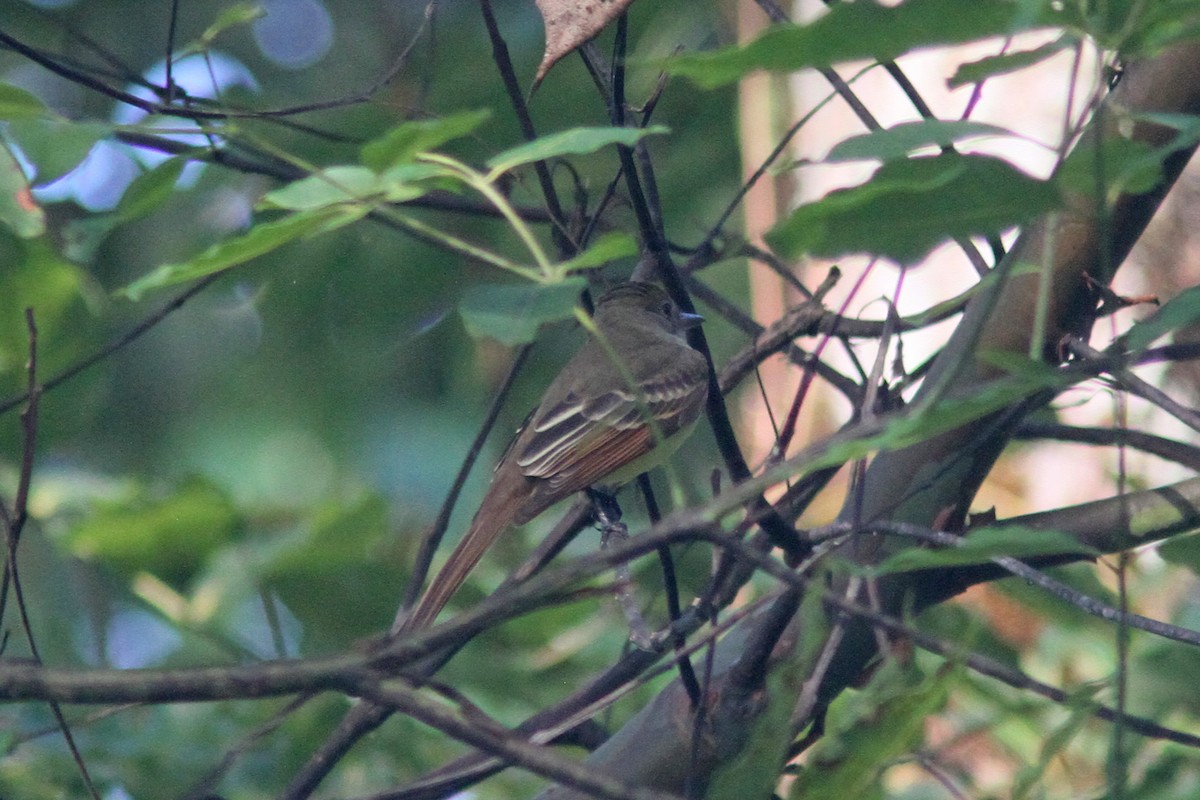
[{"x": 570, "y": 23}]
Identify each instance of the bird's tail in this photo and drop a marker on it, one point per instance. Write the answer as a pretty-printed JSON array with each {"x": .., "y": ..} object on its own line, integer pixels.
[{"x": 504, "y": 500}]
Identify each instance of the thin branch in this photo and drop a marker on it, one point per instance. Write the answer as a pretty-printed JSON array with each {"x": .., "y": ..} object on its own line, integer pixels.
[
  {"x": 1135, "y": 385},
  {"x": 204, "y": 787},
  {"x": 767, "y": 342},
  {"x": 89, "y": 81},
  {"x": 517, "y": 99},
  {"x": 15, "y": 523},
  {"x": 142, "y": 328},
  {"x": 984, "y": 665},
  {"x": 687, "y": 675},
  {"x": 1043, "y": 581},
  {"x": 1170, "y": 449}
]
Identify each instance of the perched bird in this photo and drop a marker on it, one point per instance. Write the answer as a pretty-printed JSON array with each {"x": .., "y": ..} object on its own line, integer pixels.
[{"x": 591, "y": 427}]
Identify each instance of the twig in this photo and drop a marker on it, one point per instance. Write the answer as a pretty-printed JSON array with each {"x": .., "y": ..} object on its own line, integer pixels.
[
  {"x": 15, "y": 523},
  {"x": 687, "y": 675},
  {"x": 1134, "y": 384},
  {"x": 1170, "y": 449},
  {"x": 1045, "y": 582},
  {"x": 89, "y": 81},
  {"x": 508, "y": 75}
]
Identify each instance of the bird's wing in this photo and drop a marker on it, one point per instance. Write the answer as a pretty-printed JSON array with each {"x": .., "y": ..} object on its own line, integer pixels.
[{"x": 576, "y": 443}]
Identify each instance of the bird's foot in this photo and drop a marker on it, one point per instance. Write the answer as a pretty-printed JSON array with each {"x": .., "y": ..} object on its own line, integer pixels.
[
  {"x": 613, "y": 531},
  {"x": 605, "y": 508}
]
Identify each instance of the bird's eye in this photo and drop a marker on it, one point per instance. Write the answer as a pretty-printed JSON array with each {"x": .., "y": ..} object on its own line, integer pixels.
[{"x": 666, "y": 309}]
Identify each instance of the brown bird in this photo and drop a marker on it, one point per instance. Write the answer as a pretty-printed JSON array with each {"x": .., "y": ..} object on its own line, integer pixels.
[{"x": 591, "y": 427}]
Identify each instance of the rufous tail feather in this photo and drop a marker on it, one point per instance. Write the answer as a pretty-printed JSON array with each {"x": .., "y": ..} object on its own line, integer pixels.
[{"x": 496, "y": 514}]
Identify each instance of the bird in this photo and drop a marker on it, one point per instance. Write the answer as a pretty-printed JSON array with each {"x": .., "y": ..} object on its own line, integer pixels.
[{"x": 599, "y": 424}]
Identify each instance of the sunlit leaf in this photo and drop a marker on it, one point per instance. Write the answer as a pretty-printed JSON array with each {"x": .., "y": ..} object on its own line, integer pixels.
[
  {"x": 1003, "y": 64},
  {"x": 900, "y": 140},
  {"x": 512, "y": 314},
  {"x": 331, "y": 186},
  {"x": 19, "y": 104},
  {"x": 403, "y": 142},
  {"x": 350, "y": 184},
  {"x": 573, "y": 142},
  {"x": 262, "y": 238},
  {"x": 852, "y": 32},
  {"x": 608, "y": 247},
  {"x": 909, "y": 207},
  {"x": 234, "y": 16},
  {"x": 979, "y": 547}
]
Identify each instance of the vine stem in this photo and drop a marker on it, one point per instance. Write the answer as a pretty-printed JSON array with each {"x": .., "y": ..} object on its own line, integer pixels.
[{"x": 485, "y": 185}]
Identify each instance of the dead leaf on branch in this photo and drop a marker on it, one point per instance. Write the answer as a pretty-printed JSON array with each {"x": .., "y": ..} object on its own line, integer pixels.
[{"x": 570, "y": 23}]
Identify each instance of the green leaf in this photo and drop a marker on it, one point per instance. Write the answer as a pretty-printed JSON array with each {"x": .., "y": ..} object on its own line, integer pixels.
[
  {"x": 512, "y": 314},
  {"x": 150, "y": 190},
  {"x": 1183, "y": 551},
  {"x": 1126, "y": 165},
  {"x": 979, "y": 547},
  {"x": 866, "y": 731},
  {"x": 1180, "y": 311},
  {"x": 909, "y": 207},
  {"x": 976, "y": 71},
  {"x": 1032, "y": 371},
  {"x": 35, "y": 275},
  {"x": 169, "y": 536},
  {"x": 55, "y": 146},
  {"x": 330, "y": 186},
  {"x": 341, "y": 185},
  {"x": 1082, "y": 705},
  {"x": 402, "y": 143},
  {"x": 900, "y": 140},
  {"x": 608, "y": 247},
  {"x": 1122, "y": 165},
  {"x": 18, "y": 210},
  {"x": 1136, "y": 29},
  {"x": 19, "y": 104},
  {"x": 576, "y": 141},
  {"x": 262, "y": 238},
  {"x": 852, "y": 32}
]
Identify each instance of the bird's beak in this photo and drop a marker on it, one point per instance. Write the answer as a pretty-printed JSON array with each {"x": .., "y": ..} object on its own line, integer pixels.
[{"x": 688, "y": 321}]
